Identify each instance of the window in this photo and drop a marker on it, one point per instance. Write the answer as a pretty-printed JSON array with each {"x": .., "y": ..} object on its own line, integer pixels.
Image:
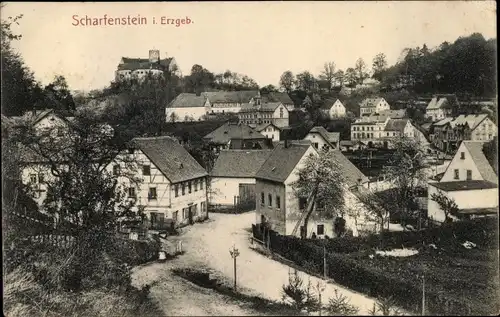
[
  {"x": 457, "y": 174},
  {"x": 281, "y": 112},
  {"x": 315, "y": 144},
  {"x": 33, "y": 178},
  {"x": 462, "y": 155},
  {"x": 131, "y": 193},
  {"x": 130, "y": 151},
  {"x": 196, "y": 185},
  {"x": 469, "y": 175},
  {"x": 320, "y": 229},
  {"x": 183, "y": 189},
  {"x": 146, "y": 170},
  {"x": 41, "y": 178},
  {"x": 270, "y": 198},
  {"x": 278, "y": 202},
  {"x": 176, "y": 190},
  {"x": 262, "y": 199},
  {"x": 387, "y": 133},
  {"x": 201, "y": 183},
  {"x": 152, "y": 193},
  {"x": 189, "y": 187},
  {"x": 116, "y": 170},
  {"x": 175, "y": 216},
  {"x": 302, "y": 202},
  {"x": 185, "y": 213}
]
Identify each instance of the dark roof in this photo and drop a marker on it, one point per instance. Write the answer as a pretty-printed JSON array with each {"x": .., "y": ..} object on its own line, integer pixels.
[
  {"x": 475, "y": 149},
  {"x": 171, "y": 158},
  {"x": 396, "y": 125},
  {"x": 143, "y": 63},
  {"x": 282, "y": 161},
  {"x": 243, "y": 96},
  {"x": 228, "y": 131},
  {"x": 187, "y": 100},
  {"x": 328, "y": 103},
  {"x": 370, "y": 102},
  {"x": 239, "y": 163},
  {"x": 274, "y": 96},
  {"x": 478, "y": 211},
  {"x": 394, "y": 114},
  {"x": 352, "y": 175},
  {"x": 464, "y": 185},
  {"x": 262, "y": 126},
  {"x": 264, "y": 107}
]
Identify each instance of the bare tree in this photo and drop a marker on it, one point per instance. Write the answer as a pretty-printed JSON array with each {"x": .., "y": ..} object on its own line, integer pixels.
[
  {"x": 287, "y": 81},
  {"x": 328, "y": 74},
  {"x": 379, "y": 65},
  {"x": 339, "y": 77},
  {"x": 320, "y": 182},
  {"x": 361, "y": 70}
]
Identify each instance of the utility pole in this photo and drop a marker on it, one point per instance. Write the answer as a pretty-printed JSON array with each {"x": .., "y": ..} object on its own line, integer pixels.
[
  {"x": 320, "y": 287},
  {"x": 324, "y": 261},
  {"x": 234, "y": 254}
]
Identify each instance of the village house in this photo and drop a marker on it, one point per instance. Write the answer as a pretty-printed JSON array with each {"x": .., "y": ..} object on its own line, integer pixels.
[
  {"x": 140, "y": 67},
  {"x": 333, "y": 108},
  {"x": 470, "y": 181},
  {"x": 322, "y": 139},
  {"x": 187, "y": 107},
  {"x": 171, "y": 190},
  {"x": 447, "y": 134},
  {"x": 440, "y": 107},
  {"x": 42, "y": 121},
  {"x": 236, "y": 136},
  {"x": 258, "y": 112},
  {"x": 229, "y": 101},
  {"x": 233, "y": 177},
  {"x": 279, "y": 207},
  {"x": 349, "y": 145},
  {"x": 373, "y": 105},
  {"x": 283, "y": 97},
  {"x": 270, "y": 130}
]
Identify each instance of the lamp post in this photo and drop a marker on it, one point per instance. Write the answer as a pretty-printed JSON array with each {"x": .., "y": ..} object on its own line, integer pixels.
[{"x": 234, "y": 254}]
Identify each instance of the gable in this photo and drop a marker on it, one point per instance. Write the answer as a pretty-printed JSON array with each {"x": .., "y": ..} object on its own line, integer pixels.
[
  {"x": 462, "y": 165},
  {"x": 294, "y": 174}
]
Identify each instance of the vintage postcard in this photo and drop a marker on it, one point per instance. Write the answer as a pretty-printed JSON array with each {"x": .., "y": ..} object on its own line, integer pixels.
[{"x": 250, "y": 158}]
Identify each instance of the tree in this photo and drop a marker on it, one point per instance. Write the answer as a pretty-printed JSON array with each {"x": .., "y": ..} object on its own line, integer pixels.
[
  {"x": 305, "y": 81},
  {"x": 267, "y": 89},
  {"x": 406, "y": 169},
  {"x": 340, "y": 306},
  {"x": 328, "y": 74},
  {"x": 361, "y": 70},
  {"x": 350, "y": 77},
  {"x": 320, "y": 181},
  {"x": 287, "y": 81},
  {"x": 446, "y": 204},
  {"x": 19, "y": 88},
  {"x": 300, "y": 296},
  {"x": 379, "y": 65},
  {"x": 339, "y": 77},
  {"x": 199, "y": 80},
  {"x": 59, "y": 91}
]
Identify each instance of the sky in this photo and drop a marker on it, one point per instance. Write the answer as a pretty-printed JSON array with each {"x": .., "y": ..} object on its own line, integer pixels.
[{"x": 258, "y": 39}]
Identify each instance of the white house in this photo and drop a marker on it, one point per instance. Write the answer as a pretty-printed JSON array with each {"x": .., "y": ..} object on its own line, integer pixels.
[
  {"x": 373, "y": 105},
  {"x": 333, "y": 108},
  {"x": 172, "y": 187},
  {"x": 233, "y": 176},
  {"x": 229, "y": 101},
  {"x": 277, "y": 203},
  {"x": 320, "y": 138},
  {"x": 187, "y": 107},
  {"x": 470, "y": 181},
  {"x": 282, "y": 97},
  {"x": 259, "y": 112},
  {"x": 270, "y": 130},
  {"x": 440, "y": 107}
]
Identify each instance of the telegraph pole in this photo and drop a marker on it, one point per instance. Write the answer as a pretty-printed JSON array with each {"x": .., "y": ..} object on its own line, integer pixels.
[
  {"x": 423, "y": 295},
  {"x": 324, "y": 261},
  {"x": 234, "y": 254},
  {"x": 320, "y": 287}
]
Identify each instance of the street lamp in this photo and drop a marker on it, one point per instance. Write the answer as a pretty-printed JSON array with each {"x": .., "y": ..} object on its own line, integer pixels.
[{"x": 234, "y": 254}]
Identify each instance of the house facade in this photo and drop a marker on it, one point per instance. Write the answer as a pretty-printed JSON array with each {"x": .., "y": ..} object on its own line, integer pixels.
[
  {"x": 333, "y": 109},
  {"x": 282, "y": 97},
  {"x": 187, "y": 107},
  {"x": 171, "y": 187},
  {"x": 440, "y": 107},
  {"x": 447, "y": 134},
  {"x": 470, "y": 181},
  {"x": 229, "y": 135},
  {"x": 228, "y": 101},
  {"x": 278, "y": 205},
  {"x": 140, "y": 67},
  {"x": 373, "y": 105},
  {"x": 322, "y": 139},
  {"x": 259, "y": 112},
  {"x": 233, "y": 176},
  {"x": 270, "y": 130}
]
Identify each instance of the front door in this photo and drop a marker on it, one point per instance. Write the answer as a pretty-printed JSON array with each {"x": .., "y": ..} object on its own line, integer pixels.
[{"x": 190, "y": 215}]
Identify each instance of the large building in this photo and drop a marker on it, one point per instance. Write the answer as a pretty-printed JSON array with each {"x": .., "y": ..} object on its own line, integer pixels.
[
  {"x": 140, "y": 67},
  {"x": 259, "y": 112},
  {"x": 373, "y": 105}
]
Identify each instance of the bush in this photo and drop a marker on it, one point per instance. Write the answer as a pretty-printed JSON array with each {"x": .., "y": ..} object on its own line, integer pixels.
[{"x": 340, "y": 306}]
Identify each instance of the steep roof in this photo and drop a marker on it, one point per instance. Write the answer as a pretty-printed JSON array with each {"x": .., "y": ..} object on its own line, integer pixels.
[
  {"x": 171, "y": 158},
  {"x": 242, "y": 96},
  {"x": 464, "y": 185},
  {"x": 229, "y": 131},
  {"x": 275, "y": 96},
  {"x": 186, "y": 100},
  {"x": 370, "y": 102},
  {"x": 239, "y": 163},
  {"x": 396, "y": 125},
  {"x": 262, "y": 126},
  {"x": 471, "y": 120},
  {"x": 353, "y": 176},
  {"x": 281, "y": 162},
  {"x": 442, "y": 101},
  {"x": 475, "y": 149},
  {"x": 143, "y": 63},
  {"x": 327, "y": 136},
  {"x": 328, "y": 103},
  {"x": 264, "y": 107},
  {"x": 394, "y": 114}
]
